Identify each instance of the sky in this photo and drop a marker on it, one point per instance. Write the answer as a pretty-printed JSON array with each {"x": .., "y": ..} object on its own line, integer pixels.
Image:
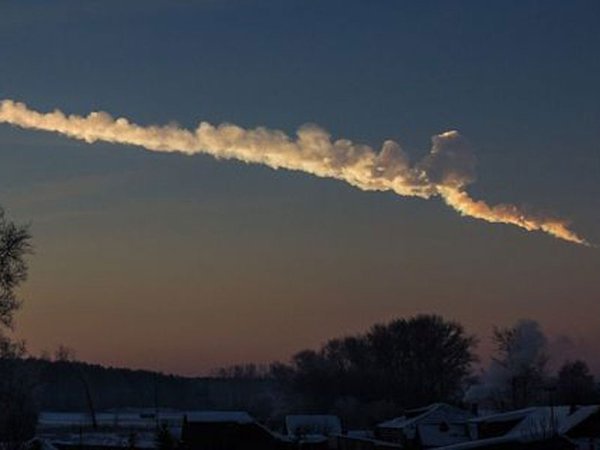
[{"x": 186, "y": 263}]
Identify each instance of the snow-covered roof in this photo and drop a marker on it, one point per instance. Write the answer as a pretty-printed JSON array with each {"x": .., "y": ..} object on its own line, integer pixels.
[
  {"x": 542, "y": 422},
  {"x": 505, "y": 416},
  {"x": 363, "y": 434},
  {"x": 435, "y": 413},
  {"x": 431, "y": 435},
  {"x": 137, "y": 419},
  {"x": 100, "y": 439},
  {"x": 47, "y": 418},
  {"x": 436, "y": 425},
  {"x": 535, "y": 423},
  {"x": 39, "y": 444},
  {"x": 309, "y": 439},
  {"x": 310, "y": 424},
  {"x": 580, "y": 414},
  {"x": 240, "y": 417},
  {"x": 60, "y": 420},
  {"x": 481, "y": 443},
  {"x": 369, "y": 439},
  {"x": 539, "y": 420},
  {"x": 492, "y": 442}
]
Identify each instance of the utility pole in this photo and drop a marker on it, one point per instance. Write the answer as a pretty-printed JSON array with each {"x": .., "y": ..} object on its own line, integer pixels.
[
  {"x": 551, "y": 389},
  {"x": 156, "y": 401}
]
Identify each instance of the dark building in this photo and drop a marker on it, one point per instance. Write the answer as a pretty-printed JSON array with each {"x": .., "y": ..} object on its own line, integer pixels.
[
  {"x": 227, "y": 431},
  {"x": 362, "y": 443},
  {"x": 433, "y": 426},
  {"x": 539, "y": 427}
]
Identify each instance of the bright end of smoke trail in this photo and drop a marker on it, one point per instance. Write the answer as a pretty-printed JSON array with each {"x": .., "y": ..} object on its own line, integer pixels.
[{"x": 444, "y": 172}]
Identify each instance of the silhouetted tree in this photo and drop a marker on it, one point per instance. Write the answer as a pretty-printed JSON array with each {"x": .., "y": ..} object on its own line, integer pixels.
[
  {"x": 521, "y": 354},
  {"x": 248, "y": 371},
  {"x": 404, "y": 363},
  {"x": 423, "y": 359},
  {"x": 575, "y": 383},
  {"x": 64, "y": 353},
  {"x": 18, "y": 409},
  {"x": 18, "y": 414},
  {"x": 14, "y": 246}
]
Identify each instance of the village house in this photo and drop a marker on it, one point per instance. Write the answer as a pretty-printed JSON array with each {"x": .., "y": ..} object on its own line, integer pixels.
[
  {"x": 438, "y": 426},
  {"x": 191, "y": 430},
  {"x": 360, "y": 442},
  {"x": 112, "y": 430},
  {"x": 227, "y": 430},
  {"x": 433, "y": 426},
  {"x": 312, "y": 431},
  {"x": 540, "y": 427}
]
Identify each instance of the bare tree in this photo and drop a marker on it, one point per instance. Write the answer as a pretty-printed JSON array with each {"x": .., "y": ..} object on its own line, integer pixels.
[
  {"x": 15, "y": 244},
  {"x": 66, "y": 354},
  {"x": 521, "y": 352},
  {"x": 18, "y": 414}
]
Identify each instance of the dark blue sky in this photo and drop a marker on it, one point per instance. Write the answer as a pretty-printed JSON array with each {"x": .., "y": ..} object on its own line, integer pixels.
[{"x": 221, "y": 252}]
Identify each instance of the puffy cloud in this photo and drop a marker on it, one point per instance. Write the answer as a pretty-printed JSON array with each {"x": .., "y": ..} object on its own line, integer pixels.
[{"x": 450, "y": 163}]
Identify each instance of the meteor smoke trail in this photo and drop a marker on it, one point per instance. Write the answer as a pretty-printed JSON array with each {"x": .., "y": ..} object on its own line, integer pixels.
[{"x": 445, "y": 171}]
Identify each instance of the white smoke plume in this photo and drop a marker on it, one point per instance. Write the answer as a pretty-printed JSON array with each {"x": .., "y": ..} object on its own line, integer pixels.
[
  {"x": 525, "y": 353},
  {"x": 445, "y": 172}
]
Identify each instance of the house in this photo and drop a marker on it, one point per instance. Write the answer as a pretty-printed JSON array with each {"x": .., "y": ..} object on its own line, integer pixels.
[
  {"x": 227, "y": 430},
  {"x": 38, "y": 444},
  {"x": 312, "y": 431},
  {"x": 515, "y": 443},
  {"x": 540, "y": 427},
  {"x": 433, "y": 426},
  {"x": 312, "y": 424},
  {"x": 582, "y": 426},
  {"x": 355, "y": 442},
  {"x": 114, "y": 430},
  {"x": 130, "y": 428}
]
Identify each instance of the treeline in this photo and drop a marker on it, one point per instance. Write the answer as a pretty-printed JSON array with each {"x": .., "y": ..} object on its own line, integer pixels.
[
  {"x": 364, "y": 378},
  {"x": 413, "y": 362},
  {"x": 63, "y": 385}
]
